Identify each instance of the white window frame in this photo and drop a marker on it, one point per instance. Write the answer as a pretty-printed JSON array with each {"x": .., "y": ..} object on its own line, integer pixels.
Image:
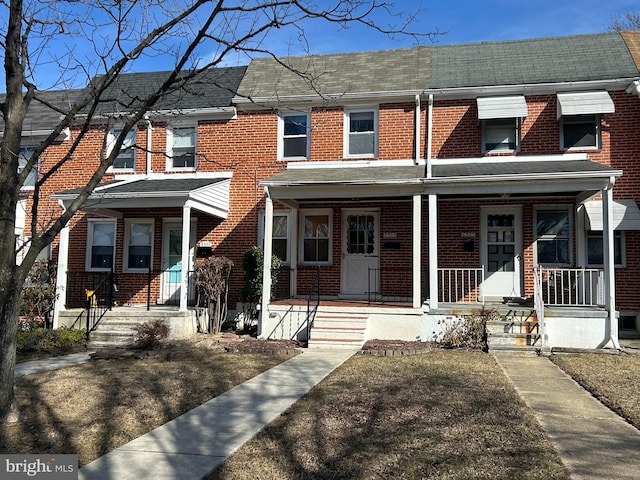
[
  {"x": 128, "y": 147},
  {"x": 347, "y": 133},
  {"x": 277, "y": 213},
  {"x": 315, "y": 212},
  {"x": 515, "y": 130},
  {"x": 170, "y": 146},
  {"x": 91, "y": 223},
  {"x": 23, "y": 158},
  {"x": 598, "y": 134},
  {"x": 623, "y": 248},
  {"x": 281, "y": 134},
  {"x": 570, "y": 237},
  {"x": 127, "y": 239}
]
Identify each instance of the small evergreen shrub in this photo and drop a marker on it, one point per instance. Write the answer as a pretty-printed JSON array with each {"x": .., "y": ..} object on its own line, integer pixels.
[
  {"x": 151, "y": 334},
  {"x": 44, "y": 339}
]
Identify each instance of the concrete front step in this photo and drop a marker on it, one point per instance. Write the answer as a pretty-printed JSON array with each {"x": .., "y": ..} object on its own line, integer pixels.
[
  {"x": 338, "y": 330},
  {"x": 528, "y": 351},
  {"x": 514, "y": 339},
  {"x": 517, "y": 332}
]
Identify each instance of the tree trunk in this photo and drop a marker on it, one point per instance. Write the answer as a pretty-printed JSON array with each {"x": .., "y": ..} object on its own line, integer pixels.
[{"x": 9, "y": 310}]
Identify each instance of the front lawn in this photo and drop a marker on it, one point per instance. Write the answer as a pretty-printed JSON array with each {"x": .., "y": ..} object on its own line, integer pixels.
[{"x": 442, "y": 414}]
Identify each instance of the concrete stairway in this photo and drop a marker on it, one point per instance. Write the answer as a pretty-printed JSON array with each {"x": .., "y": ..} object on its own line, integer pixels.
[
  {"x": 338, "y": 330},
  {"x": 517, "y": 332}
]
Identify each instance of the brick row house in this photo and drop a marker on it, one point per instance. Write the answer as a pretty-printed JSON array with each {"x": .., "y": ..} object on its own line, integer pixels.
[{"x": 403, "y": 190}]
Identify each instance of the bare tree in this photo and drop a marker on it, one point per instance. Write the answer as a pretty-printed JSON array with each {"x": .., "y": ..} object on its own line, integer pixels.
[
  {"x": 627, "y": 21},
  {"x": 91, "y": 44}
]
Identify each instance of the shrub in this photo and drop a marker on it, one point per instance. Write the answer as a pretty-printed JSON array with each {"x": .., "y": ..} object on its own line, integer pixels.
[
  {"x": 212, "y": 280},
  {"x": 252, "y": 263},
  {"x": 43, "y": 339},
  {"x": 151, "y": 334},
  {"x": 469, "y": 331},
  {"x": 39, "y": 293}
]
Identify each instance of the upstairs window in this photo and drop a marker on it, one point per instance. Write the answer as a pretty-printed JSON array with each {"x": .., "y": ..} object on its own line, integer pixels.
[
  {"x": 23, "y": 158},
  {"x": 580, "y": 131},
  {"x": 182, "y": 148},
  {"x": 553, "y": 236},
  {"x": 294, "y": 137},
  {"x": 361, "y": 133},
  {"x": 501, "y": 134},
  {"x": 126, "y": 159}
]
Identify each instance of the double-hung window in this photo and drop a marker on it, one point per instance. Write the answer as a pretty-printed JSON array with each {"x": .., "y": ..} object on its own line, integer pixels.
[
  {"x": 361, "y": 131},
  {"x": 138, "y": 245},
  {"x": 501, "y": 134},
  {"x": 101, "y": 244},
  {"x": 553, "y": 236},
  {"x": 23, "y": 158},
  {"x": 280, "y": 235},
  {"x": 580, "y": 131},
  {"x": 182, "y": 148},
  {"x": 595, "y": 248},
  {"x": 294, "y": 136},
  {"x": 126, "y": 159},
  {"x": 316, "y": 237}
]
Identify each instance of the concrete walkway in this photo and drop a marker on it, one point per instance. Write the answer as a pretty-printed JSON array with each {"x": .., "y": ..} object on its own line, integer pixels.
[
  {"x": 193, "y": 444},
  {"x": 593, "y": 442},
  {"x": 51, "y": 363}
]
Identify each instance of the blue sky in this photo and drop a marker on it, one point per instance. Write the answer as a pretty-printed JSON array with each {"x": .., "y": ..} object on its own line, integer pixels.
[{"x": 479, "y": 20}]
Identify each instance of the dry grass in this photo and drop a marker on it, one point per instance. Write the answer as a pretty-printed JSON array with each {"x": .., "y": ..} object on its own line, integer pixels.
[
  {"x": 92, "y": 408},
  {"x": 441, "y": 415},
  {"x": 612, "y": 379}
]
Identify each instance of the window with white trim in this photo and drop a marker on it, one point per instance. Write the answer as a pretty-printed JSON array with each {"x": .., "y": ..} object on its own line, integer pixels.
[
  {"x": 361, "y": 133},
  {"x": 595, "y": 248},
  {"x": 580, "y": 131},
  {"x": 294, "y": 135},
  {"x": 138, "y": 245},
  {"x": 553, "y": 236},
  {"x": 280, "y": 236},
  {"x": 181, "y": 148},
  {"x": 500, "y": 134},
  {"x": 126, "y": 159},
  {"x": 315, "y": 236},
  {"x": 23, "y": 158},
  {"x": 101, "y": 244}
]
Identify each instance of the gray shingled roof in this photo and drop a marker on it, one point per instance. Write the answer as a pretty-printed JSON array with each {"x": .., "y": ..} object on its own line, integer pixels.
[
  {"x": 212, "y": 88},
  {"x": 346, "y": 175},
  {"x": 336, "y": 74},
  {"x": 517, "y": 168},
  {"x": 554, "y": 59},
  {"x": 41, "y": 117},
  {"x": 169, "y": 187}
]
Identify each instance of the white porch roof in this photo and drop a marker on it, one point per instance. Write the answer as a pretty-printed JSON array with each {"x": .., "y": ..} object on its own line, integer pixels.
[
  {"x": 626, "y": 215},
  {"x": 208, "y": 194}
]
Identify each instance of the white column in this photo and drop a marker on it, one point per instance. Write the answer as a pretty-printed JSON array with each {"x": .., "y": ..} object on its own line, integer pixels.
[
  {"x": 186, "y": 235},
  {"x": 293, "y": 236},
  {"x": 433, "y": 251},
  {"x": 609, "y": 263},
  {"x": 417, "y": 249},
  {"x": 266, "y": 267},
  {"x": 61, "y": 275}
]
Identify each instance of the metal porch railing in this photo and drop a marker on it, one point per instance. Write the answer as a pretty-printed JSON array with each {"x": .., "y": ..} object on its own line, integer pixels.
[
  {"x": 570, "y": 286},
  {"x": 460, "y": 285}
]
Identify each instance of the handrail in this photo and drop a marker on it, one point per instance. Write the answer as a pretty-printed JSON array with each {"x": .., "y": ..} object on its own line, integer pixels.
[
  {"x": 99, "y": 301},
  {"x": 311, "y": 313}
]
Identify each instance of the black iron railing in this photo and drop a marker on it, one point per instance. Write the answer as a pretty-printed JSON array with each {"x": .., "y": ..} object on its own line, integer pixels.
[
  {"x": 99, "y": 301},
  {"x": 313, "y": 302},
  {"x": 390, "y": 285}
]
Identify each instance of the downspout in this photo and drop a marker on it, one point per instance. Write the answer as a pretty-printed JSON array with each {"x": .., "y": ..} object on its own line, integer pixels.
[
  {"x": 149, "y": 137},
  {"x": 429, "y": 134},
  {"x": 417, "y": 132}
]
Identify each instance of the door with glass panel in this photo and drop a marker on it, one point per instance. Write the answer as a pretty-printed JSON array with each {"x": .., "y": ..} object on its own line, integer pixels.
[
  {"x": 360, "y": 253},
  {"x": 501, "y": 251},
  {"x": 172, "y": 262}
]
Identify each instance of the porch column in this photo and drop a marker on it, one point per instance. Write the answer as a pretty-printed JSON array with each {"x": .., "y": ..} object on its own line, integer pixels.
[
  {"x": 293, "y": 286},
  {"x": 609, "y": 263},
  {"x": 61, "y": 275},
  {"x": 417, "y": 248},
  {"x": 433, "y": 251},
  {"x": 266, "y": 263},
  {"x": 186, "y": 235}
]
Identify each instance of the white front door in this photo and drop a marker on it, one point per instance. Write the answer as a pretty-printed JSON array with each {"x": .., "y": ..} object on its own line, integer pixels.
[
  {"x": 172, "y": 262},
  {"x": 501, "y": 251},
  {"x": 360, "y": 252}
]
